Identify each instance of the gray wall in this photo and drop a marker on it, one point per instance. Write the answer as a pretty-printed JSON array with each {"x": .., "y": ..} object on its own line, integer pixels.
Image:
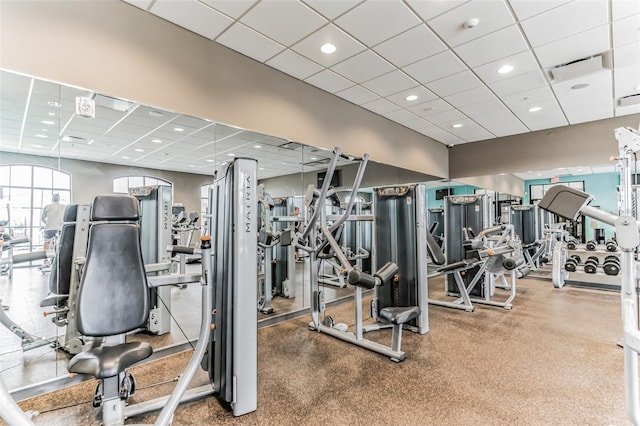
[
  {"x": 89, "y": 179},
  {"x": 117, "y": 49}
]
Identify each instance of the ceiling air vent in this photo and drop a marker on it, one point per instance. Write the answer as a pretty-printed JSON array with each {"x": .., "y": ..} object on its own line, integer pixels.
[
  {"x": 629, "y": 100},
  {"x": 579, "y": 68}
]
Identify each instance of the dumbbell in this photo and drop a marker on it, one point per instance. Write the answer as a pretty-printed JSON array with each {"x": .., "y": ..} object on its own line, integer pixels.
[
  {"x": 611, "y": 265},
  {"x": 591, "y": 245},
  {"x": 591, "y": 264},
  {"x": 612, "y": 245},
  {"x": 571, "y": 244},
  {"x": 572, "y": 263}
]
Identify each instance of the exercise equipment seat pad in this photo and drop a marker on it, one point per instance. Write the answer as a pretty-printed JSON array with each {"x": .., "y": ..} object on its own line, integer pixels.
[
  {"x": 399, "y": 315},
  {"x": 109, "y": 361}
]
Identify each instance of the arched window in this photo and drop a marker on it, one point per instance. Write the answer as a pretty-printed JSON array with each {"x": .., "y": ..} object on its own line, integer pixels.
[
  {"x": 24, "y": 191},
  {"x": 122, "y": 185}
]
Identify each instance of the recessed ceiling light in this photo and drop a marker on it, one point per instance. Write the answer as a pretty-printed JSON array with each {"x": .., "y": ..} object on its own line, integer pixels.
[
  {"x": 49, "y": 122},
  {"x": 178, "y": 129},
  {"x": 210, "y": 161},
  {"x": 505, "y": 69},
  {"x": 156, "y": 141},
  {"x": 457, "y": 126},
  {"x": 124, "y": 157},
  {"x": 155, "y": 113},
  {"x": 191, "y": 165},
  {"x": 44, "y": 130},
  {"x": 314, "y": 158},
  {"x": 284, "y": 164},
  {"x": 40, "y": 135},
  {"x": 66, "y": 139},
  {"x": 411, "y": 98},
  {"x": 538, "y": 174},
  {"x": 52, "y": 114},
  {"x": 37, "y": 146},
  {"x": 90, "y": 142},
  {"x": 535, "y": 109},
  {"x": 261, "y": 168},
  {"x": 328, "y": 48},
  {"x": 231, "y": 155},
  {"x": 54, "y": 104},
  {"x": 139, "y": 150},
  {"x": 257, "y": 146},
  {"x": 580, "y": 86},
  {"x": 637, "y": 88}
]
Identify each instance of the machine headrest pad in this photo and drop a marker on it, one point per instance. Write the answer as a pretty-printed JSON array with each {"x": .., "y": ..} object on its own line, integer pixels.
[
  {"x": 115, "y": 207},
  {"x": 70, "y": 213}
]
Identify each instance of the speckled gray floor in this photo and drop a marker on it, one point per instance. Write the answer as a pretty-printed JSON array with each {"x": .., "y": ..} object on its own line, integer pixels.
[{"x": 552, "y": 360}]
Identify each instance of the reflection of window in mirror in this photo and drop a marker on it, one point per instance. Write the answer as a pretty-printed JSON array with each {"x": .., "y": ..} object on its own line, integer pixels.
[{"x": 122, "y": 185}]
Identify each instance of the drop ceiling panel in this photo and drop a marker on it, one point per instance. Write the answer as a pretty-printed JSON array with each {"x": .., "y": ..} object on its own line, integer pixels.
[
  {"x": 470, "y": 97},
  {"x": 435, "y": 67},
  {"x": 456, "y": 83},
  {"x": 550, "y": 115},
  {"x": 249, "y": 42},
  {"x": 192, "y": 15},
  {"x": 591, "y": 103},
  {"x": 418, "y": 124},
  {"x": 575, "y": 47},
  {"x": 388, "y": 84},
  {"x": 519, "y": 84},
  {"x": 381, "y": 106},
  {"x": 332, "y": 9},
  {"x": 329, "y": 81},
  {"x": 357, "y": 95},
  {"x": 284, "y": 21},
  {"x": 346, "y": 46},
  {"x": 447, "y": 118},
  {"x": 631, "y": 109},
  {"x": 527, "y": 8},
  {"x": 443, "y": 136},
  {"x": 421, "y": 92},
  {"x": 492, "y": 16},
  {"x": 427, "y": 109},
  {"x": 626, "y": 55},
  {"x": 375, "y": 21},
  {"x": 626, "y": 31},
  {"x": 233, "y": 8},
  {"x": 428, "y": 9},
  {"x": 522, "y": 63},
  {"x": 495, "y": 117},
  {"x": 562, "y": 21},
  {"x": 400, "y": 115},
  {"x": 470, "y": 131},
  {"x": 411, "y": 46},
  {"x": 142, "y": 4},
  {"x": 623, "y": 8},
  {"x": 627, "y": 81},
  {"x": 363, "y": 67},
  {"x": 500, "y": 44}
]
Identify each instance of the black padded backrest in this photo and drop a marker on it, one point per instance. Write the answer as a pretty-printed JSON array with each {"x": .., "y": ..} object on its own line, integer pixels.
[
  {"x": 115, "y": 207},
  {"x": 60, "y": 277},
  {"x": 70, "y": 213}
]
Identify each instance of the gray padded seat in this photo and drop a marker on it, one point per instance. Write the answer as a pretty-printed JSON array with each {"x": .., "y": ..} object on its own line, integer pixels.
[
  {"x": 114, "y": 296},
  {"x": 399, "y": 315}
]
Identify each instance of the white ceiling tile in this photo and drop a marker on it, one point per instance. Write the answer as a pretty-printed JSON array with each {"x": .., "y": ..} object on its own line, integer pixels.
[
  {"x": 626, "y": 55},
  {"x": 518, "y": 84},
  {"x": 470, "y": 97},
  {"x": 249, "y": 42},
  {"x": 388, "y": 84},
  {"x": 591, "y": 103},
  {"x": 550, "y": 115},
  {"x": 527, "y": 8},
  {"x": 427, "y": 109},
  {"x": 362, "y": 67},
  {"x": 411, "y": 46},
  {"x": 626, "y": 31},
  {"x": 470, "y": 131},
  {"x": 500, "y": 44},
  {"x": 400, "y": 115},
  {"x": 381, "y": 106},
  {"x": 627, "y": 81},
  {"x": 428, "y": 9},
  {"x": 575, "y": 47},
  {"x": 522, "y": 63},
  {"x": 631, "y": 109},
  {"x": 193, "y": 16},
  {"x": 285, "y": 21},
  {"x": 562, "y": 21},
  {"x": 421, "y": 92},
  {"x": 332, "y": 9},
  {"x": 357, "y": 95},
  {"x": 375, "y": 21},
  {"x": 294, "y": 64},
  {"x": 233, "y": 8},
  {"x": 418, "y": 124},
  {"x": 495, "y": 117},
  {"x": 329, "y": 81},
  {"x": 142, "y": 4},
  {"x": 435, "y": 67},
  {"x": 492, "y": 16},
  {"x": 623, "y": 8},
  {"x": 442, "y": 136},
  {"x": 346, "y": 46},
  {"x": 456, "y": 83},
  {"x": 447, "y": 119}
]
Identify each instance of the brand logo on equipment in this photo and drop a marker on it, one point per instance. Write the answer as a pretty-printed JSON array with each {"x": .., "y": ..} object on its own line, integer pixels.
[{"x": 247, "y": 204}]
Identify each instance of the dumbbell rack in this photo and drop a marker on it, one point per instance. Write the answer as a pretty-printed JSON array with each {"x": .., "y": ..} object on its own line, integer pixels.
[{"x": 599, "y": 279}]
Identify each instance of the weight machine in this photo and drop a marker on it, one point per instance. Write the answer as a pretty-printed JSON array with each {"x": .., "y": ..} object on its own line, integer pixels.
[{"x": 571, "y": 203}]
